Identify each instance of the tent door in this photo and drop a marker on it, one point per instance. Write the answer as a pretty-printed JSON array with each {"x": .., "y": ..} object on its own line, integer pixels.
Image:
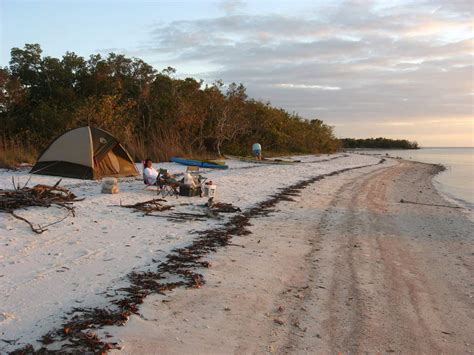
[{"x": 109, "y": 165}]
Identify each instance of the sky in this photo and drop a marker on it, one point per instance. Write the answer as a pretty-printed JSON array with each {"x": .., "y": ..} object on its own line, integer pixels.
[{"x": 398, "y": 69}]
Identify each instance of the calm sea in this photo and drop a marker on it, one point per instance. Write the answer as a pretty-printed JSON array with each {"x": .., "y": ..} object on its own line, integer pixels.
[{"x": 457, "y": 182}]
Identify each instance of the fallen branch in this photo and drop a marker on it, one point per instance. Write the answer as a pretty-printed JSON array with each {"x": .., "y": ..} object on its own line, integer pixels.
[
  {"x": 37, "y": 196},
  {"x": 38, "y": 230},
  {"x": 148, "y": 206}
]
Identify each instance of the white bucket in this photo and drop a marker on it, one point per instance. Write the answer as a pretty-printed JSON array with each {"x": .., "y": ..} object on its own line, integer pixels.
[{"x": 210, "y": 190}]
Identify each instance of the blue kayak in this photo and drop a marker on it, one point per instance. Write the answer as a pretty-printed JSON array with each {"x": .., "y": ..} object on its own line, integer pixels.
[{"x": 200, "y": 163}]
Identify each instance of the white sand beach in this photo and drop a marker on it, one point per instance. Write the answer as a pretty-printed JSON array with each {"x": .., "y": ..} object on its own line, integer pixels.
[{"x": 344, "y": 267}]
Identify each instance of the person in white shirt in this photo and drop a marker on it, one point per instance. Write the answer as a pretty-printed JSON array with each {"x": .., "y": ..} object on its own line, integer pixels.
[
  {"x": 257, "y": 151},
  {"x": 149, "y": 173}
]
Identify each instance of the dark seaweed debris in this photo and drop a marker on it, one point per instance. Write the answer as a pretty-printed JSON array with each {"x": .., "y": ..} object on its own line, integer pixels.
[
  {"x": 77, "y": 334},
  {"x": 148, "y": 207}
]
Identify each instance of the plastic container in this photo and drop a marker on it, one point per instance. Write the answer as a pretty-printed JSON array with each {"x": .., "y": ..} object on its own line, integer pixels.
[{"x": 210, "y": 190}]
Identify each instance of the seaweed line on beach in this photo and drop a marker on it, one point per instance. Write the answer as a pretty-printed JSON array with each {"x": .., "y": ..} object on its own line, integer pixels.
[{"x": 79, "y": 332}]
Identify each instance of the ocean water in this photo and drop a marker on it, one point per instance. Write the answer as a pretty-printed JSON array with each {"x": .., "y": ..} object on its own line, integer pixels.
[{"x": 457, "y": 181}]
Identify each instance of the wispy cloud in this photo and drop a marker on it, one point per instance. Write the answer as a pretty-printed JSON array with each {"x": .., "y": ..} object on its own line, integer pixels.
[
  {"x": 306, "y": 86},
  {"x": 358, "y": 59}
]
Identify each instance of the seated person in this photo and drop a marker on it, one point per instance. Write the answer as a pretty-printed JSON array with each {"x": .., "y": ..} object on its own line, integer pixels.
[{"x": 150, "y": 175}]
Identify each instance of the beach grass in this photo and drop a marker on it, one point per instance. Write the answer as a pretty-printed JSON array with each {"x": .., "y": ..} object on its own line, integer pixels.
[{"x": 14, "y": 153}]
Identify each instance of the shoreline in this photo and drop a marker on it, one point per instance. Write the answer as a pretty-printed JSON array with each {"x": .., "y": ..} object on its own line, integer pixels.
[
  {"x": 253, "y": 304},
  {"x": 453, "y": 182},
  {"x": 244, "y": 250}
]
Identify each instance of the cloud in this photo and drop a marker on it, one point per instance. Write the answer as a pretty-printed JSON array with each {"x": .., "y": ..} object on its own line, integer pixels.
[
  {"x": 231, "y": 6},
  {"x": 356, "y": 60},
  {"x": 304, "y": 86}
]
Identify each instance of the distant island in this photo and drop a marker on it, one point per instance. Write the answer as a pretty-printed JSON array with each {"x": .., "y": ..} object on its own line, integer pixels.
[{"x": 378, "y": 143}]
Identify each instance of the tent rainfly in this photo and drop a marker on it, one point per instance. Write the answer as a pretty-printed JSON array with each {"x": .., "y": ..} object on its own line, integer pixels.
[{"x": 85, "y": 153}]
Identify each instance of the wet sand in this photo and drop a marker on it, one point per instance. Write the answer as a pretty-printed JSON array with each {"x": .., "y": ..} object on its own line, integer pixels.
[{"x": 345, "y": 268}]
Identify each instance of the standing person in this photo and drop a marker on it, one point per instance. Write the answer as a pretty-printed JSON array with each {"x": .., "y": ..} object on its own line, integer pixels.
[{"x": 257, "y": 151}]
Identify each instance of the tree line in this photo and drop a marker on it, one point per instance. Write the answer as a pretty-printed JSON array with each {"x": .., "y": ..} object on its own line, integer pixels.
[
  {"x": 379, "y": 143},
  {"x": 152, "y": 112}
]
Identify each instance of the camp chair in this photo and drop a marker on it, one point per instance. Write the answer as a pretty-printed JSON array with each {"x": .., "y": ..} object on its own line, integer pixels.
[
  {"x": 166, "y": 186},
  {"x": 195, "y": 173}
]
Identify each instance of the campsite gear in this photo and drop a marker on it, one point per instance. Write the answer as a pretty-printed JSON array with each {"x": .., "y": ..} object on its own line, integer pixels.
[
  {"x": 85, "y": 153},
  {"x": 200, "y": 163},
  {"x": 195, "y": 173},
  {"x": 189, "y": 191},
  {"x": 110, "y": 186},
  {"x": 166, "y": 186},
  {"x": 189, "y": 180},
  {"x": 209, "y": 190}
]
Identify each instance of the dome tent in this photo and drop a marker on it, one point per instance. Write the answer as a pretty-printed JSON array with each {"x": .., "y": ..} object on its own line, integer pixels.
[{"x": 85, "y": 153}]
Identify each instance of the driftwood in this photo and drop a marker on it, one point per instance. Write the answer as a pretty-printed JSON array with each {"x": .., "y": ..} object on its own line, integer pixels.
[
  {"x": 37, "y": 196},
  {"x": 211, "y": 210},
  {"x": 149, "y": 206},
  {"x": 221, "y": 207}
]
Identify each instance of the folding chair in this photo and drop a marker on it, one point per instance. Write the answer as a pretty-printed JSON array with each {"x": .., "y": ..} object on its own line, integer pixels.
[
  {"x": 166, "y": 186},
  {"x": 195, "y": 173}
]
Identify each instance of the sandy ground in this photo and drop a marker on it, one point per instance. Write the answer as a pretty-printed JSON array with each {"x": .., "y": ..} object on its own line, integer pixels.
[
  {"x": 81, "y": 261},
  {"x": 346, "y": 268}
]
